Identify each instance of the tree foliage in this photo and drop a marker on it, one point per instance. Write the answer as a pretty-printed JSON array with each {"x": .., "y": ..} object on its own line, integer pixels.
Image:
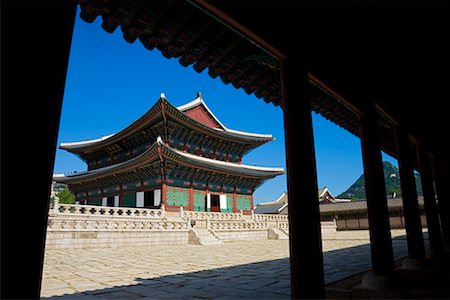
[{"x": 66, "y": 197}]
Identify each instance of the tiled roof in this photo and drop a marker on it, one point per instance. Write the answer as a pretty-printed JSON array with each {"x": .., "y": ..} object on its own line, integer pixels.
[
  {"x": 269, "y": 209},
  {"x": 147, "y": 117}
]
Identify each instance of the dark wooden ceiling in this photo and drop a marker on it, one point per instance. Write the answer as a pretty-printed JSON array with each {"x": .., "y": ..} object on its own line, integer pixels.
[{"x": 395, "y": 53}]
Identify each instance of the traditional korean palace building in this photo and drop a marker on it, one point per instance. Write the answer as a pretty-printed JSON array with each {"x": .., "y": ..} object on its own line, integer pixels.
[{"x": 176, "y": 156}]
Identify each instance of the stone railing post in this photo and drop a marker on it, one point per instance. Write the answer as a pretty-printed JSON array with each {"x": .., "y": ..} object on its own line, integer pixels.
[
  {"x": 181, "y": 212},
  {"x": 253, "y": 214},
  {"x": 242, "y": 214},
  {"x": 163, "y": 211},
  {"x": 56, "y": 205}
]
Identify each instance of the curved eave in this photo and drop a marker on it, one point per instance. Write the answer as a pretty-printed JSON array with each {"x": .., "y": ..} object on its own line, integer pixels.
[
  {"x": 159, "y": 150},
  {"x": 86, "y": 143},
  {"x": 134, "y": 127},
  {"x": 148, "y": 156}
]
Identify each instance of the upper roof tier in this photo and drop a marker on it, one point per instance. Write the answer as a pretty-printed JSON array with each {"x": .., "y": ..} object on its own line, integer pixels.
[{"x": 196, "y": 115}]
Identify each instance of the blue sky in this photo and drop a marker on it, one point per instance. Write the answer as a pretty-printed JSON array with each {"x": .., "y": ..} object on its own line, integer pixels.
[{"x": 110, "y": 83}]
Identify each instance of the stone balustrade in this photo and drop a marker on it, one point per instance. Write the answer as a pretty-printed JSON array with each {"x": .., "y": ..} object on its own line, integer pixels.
[
  {"x": 106, "y": 211},
  {"x": 328, "y": 224},
  {"x": 101, "y": 224},
  {"x": 230, "y": 225},
  {"x": 203, "y": 215},
  {"x": 268, "y": 218},
  {"x": 283, "y": 225}
]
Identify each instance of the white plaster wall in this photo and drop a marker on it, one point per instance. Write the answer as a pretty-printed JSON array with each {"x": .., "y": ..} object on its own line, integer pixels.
[
  {"x": 157, "y": 197},
  {"x": 140, "y": 199},
  {"x": 223, "y": 201}
]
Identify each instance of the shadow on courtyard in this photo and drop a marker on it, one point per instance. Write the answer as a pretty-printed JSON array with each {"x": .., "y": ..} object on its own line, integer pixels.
[{"x": 262, "y": 280}]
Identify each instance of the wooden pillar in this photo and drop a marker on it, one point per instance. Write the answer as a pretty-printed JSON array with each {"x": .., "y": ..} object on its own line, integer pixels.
[
  {"x": 305, "y": 241},
  {"x": 443, "y": 199},
  {"x": 431, "y": 209},
  {"x": 191, "y": 199},
  {"x": 377, "y": 209},
  {"x": 345, "y": 218},
  {"x": 164, "y": 194},
  {"x": 234, "y": 201},
  {"x": 413, "y": 225},
  {"x": 120, "y": 195},
  {"x": 359, "y": 221}
]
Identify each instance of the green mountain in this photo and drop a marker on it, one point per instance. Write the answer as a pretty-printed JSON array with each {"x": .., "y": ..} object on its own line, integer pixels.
[{"x": 392, "y": 181}]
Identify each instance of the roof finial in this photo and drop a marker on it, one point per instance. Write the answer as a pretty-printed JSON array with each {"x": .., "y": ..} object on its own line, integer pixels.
[
  {"x": 199, "y": 95},
  {"x": 163, "y": 96}
]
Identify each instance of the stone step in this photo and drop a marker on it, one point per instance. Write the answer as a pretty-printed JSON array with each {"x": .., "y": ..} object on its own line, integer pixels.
[
  {"x": 202, "y": 237},
  {"x": 277, "y": 234}
]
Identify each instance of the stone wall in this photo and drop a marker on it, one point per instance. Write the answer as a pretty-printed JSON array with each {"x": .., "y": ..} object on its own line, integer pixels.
[
  {"x": 363, "y": 223},
  {"x": 95, "y": 232},
  {"x": 75, "y": 239}
]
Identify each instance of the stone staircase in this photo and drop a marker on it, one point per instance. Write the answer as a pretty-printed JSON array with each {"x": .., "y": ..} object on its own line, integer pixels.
[
  {"x": 277, "y": 234},
  {"x": 202, "y": 236}
]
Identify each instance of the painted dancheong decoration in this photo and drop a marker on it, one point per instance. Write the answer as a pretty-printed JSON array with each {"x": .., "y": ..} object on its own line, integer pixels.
[{"x": 176, "y": 156}]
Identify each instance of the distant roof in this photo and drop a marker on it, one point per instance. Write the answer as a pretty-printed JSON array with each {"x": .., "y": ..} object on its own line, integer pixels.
[
  {"x": 321, "y": 192},
  {"x": 284, "y": 198},
  {"x": 281, "y": 200},
  {"x": 270, "y": 209}
]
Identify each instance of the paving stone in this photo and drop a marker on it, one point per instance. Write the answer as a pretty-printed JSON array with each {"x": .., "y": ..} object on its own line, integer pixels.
[{"x": 242, "y": 269}]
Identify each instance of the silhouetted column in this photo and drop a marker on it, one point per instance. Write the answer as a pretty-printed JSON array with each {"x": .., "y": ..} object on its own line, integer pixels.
[
  {"x": 32, "y": 94},
  {"x": 431, "y": 210},
  {"x": 413, "y": 225},
  {"x": 307, "y": 277},
  {"x": 443, "y": 199},
  {"x": 377, "y": 209}
]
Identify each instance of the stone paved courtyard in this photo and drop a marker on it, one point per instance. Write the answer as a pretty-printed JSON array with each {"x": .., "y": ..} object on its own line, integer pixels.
[{"x": 243, "y": 269}]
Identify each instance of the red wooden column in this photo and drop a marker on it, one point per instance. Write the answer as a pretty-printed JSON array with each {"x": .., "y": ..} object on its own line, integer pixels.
[
  {"x": 377, "y": 210},
  {"x": 413, "y": 225},
  {"x": 305, "y": 241},
  {"x": 191, "y": 198},
  {"x": 164, "y": 194},
  {"x": 234, "y": 201},
  {"x": 431, "y": 209}
]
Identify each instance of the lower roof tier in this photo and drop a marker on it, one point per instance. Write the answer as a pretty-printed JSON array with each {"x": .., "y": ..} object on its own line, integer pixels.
[{"x": 164, "y": 162}]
